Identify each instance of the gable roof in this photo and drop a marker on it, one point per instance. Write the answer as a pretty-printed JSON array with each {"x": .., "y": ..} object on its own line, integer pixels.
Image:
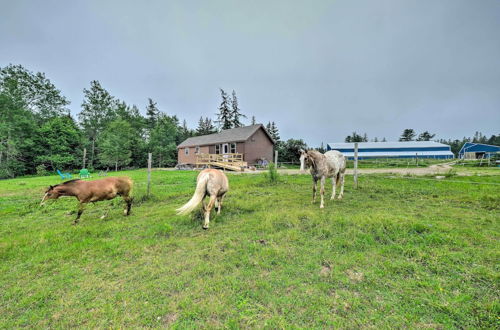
[{"x": 239, "y": 134}]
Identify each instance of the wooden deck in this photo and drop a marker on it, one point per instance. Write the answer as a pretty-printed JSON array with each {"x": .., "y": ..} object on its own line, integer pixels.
[{"x": 233, "y": 162}]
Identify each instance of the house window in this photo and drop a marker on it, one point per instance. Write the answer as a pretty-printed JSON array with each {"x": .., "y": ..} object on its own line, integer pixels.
[
  {"x": 186, "y": 151},
  {"x": 217, "y": 148},
  {"x": 233, "y": 148},
  {"x": 225, "y": 148},
  {"x": 197, "y": 150}
]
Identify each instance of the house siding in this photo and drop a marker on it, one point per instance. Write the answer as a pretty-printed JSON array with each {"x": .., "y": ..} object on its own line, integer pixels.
[
  {"x": 258, "y": 146},
  {"x": 191, "y": 158}
]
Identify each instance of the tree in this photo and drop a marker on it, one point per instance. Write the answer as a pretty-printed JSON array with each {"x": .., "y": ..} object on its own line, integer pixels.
[
  {"x": 205, "y": 127},
  {"x": 408, "y": 135},
  {"x": 115, "y": 144},
  {"x": 383, "y": 139},
  {"x": 97, "y": 111},
  {"x": 59, "y": 144},
  {"x": 33, "y": 92},
  {"x": 236, "y": 112},
  {"x": 425, "y": 136},
  {"x": 17, "y": 129},
  {"x": 253, "y": 120},
  {"x": 289, "y": 151},
  {"x": 224, "y": 117},
  {"x": 322, "y": 148},
  {"x": 163, "y": 141},
  {"x": 355, "y": 137},
  {"x": 184, "y": 131},
  {"x": 152, "y": 114}
]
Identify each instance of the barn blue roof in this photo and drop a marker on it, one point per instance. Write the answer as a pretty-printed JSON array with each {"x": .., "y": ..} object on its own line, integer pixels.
[
  {"x": 477, "y": 147},
  {"x": 410, "y": 149}
]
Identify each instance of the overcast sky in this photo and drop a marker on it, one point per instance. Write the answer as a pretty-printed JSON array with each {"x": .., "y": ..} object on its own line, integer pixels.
[{"x": 319, "y": 69}]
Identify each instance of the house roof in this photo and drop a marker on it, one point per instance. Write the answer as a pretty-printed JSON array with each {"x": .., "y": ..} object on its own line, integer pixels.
[{"x": 229, "y": 135}]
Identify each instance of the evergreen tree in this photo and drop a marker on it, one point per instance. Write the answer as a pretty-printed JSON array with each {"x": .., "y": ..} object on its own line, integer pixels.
[
  {"x": 408, "y": 135},
  {"x": 97, "y": 111},
  {"x": 425, "y": 136},
  {"x": 115, "y": 144},
  {"x": 205, "y": 127},
  {"x": 355, "y": 137},
  {"x": 274, "y": 132},
  {"x": 253, "y": 121},
  {"x": 322, "y": 148},
  {"x": 152, "y": 114},
  {"x": 224, "y": 117},
  {"x": 383, "y": 139},
  {"x": 236, "y": 112},
  {"x": 58, "y": 144}
]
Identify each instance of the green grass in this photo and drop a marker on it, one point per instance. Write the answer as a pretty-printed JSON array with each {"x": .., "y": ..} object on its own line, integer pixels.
[{"x": 397, "y": 252}]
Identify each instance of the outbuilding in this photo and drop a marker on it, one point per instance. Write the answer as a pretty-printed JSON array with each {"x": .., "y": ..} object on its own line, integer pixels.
[
  {"x": 243, "y": 146},
  {"x": 477, "y": 151},
  {"x": 410, "y": 149}
]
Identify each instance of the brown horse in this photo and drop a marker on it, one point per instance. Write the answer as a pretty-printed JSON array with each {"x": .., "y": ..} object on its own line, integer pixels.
[
  {"x": 92, "y": 191},
  {"x": 210, "y": 182}
]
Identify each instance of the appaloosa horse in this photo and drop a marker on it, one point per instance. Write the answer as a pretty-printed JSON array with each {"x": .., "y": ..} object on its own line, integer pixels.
[
  {"x": 92, "y": 191},
  {"x": 332, "y": 164},
  {"x": 210, "y": 182}
]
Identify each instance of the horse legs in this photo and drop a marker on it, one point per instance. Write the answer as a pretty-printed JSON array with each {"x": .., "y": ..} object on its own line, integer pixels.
[
  {"x": 322, "y": 192},
  {"x": 81, "y": 207},
  {"x": 219, "y": 203},
  {"x": 341, "y": 186},
  {"x": 207, "y": 211},
  {"x": 315, "y": 182},
  {"x": 128, "y": 205},
  {"x": 334, "y": 187}
]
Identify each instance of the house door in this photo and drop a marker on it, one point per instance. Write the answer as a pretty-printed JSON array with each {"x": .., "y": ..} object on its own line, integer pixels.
[{"x": 225, "y": 148}]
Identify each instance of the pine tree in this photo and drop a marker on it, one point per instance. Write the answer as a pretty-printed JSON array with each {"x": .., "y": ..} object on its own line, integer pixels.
[
  {"x": 224, "y": 117},
  {"x": 275, "y": 133},
  {"x": 115, "y": 144},
  {"x": 425, "y": 136},
  {"x": 253, "y": 120},
  {"x": 236, "y": 112},
  {"x": 152, "y": 114},
  {"x": 408, "y": 135},
  {"x": 383, "y": 139}
]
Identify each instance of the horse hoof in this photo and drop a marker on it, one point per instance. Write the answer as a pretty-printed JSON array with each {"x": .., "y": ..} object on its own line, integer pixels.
[
  {"x": 322, "y": 207},
  {"x": 205, "y": 228}
]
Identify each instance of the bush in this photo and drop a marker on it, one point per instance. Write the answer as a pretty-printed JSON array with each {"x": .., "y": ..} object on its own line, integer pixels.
[
  {"x": 272, "y": 173},
  {"x": 41, "y": 170}
]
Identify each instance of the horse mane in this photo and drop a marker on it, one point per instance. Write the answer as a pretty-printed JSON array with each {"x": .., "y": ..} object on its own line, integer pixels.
[
  {"x": 315, "y": 157},
  {"x": 65, "y": 183}
]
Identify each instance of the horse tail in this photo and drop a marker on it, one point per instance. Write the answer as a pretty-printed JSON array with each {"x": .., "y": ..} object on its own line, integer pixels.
[{"x": 199, "y": 193}]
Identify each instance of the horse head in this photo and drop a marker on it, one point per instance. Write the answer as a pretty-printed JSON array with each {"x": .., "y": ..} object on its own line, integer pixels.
[
  {"x": 306, "y": 159},
  {"x": 51, "y": 193}
]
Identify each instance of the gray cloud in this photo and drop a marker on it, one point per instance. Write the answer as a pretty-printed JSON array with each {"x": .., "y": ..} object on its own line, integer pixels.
[{"x": 319, "y": 69}]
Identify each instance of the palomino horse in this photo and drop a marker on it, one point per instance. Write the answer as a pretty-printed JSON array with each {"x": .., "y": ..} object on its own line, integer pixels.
[
  {"x": 210, "y": 182},
  {"x": 92, "y": 191},
  {"x": 332, "y": 164}
]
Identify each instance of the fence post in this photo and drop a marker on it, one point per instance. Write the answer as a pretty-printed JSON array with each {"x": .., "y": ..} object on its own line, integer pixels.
[
  {"x": 276, "y": 158},
  {"x": 149, "y": 173},
  {"x": 84, "y": 156},
  {"x": 356, "y": 165}
]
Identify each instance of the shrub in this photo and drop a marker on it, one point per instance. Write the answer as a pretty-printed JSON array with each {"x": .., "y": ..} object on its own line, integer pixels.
[
  {"x": 41, "y": 170},
  {"x": 272, "y": 173}
]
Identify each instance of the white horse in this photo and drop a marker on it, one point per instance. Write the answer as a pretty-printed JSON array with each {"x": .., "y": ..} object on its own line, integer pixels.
[
  {"x": 210, "y": 182},
  {"x": 332, "y": 164}
]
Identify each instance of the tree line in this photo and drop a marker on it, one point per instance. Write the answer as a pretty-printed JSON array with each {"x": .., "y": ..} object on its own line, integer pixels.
[{"x": 39, "y": 135}]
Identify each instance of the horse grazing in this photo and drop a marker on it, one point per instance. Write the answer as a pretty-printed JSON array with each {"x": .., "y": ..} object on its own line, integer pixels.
[
  {"x": 332, "y": 164},
  {"x": 210, "y": 182},
  {"x": 92, "y": 191}
]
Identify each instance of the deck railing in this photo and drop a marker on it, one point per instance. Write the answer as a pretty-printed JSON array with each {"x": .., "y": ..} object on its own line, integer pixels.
[{"x": 233, "y": 159}]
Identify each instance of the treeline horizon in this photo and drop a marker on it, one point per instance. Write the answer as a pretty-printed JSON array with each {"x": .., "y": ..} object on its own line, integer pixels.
[{"x": 38, "y": 134}]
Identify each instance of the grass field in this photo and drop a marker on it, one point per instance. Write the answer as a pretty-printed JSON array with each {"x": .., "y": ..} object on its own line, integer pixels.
[{"x": 396, "y": 252}]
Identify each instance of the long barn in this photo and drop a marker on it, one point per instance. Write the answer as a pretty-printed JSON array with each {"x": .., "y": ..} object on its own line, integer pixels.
[{"x": 411, "y": 149}]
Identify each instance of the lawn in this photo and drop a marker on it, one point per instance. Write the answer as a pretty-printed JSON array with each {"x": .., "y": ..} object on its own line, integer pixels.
[{"x": 397, "y": 252}]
